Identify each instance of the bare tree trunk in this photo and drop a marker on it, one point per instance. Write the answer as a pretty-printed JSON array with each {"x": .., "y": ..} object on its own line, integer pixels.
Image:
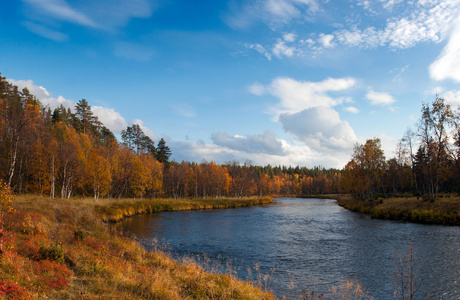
[
  {"x": 53, "y": 177},
  {"x": 13, "y": 162}
]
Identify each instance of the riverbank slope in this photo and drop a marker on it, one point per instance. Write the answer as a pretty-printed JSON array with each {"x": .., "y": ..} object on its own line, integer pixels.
[
  {"x": 444, "y": 211},
  {"x": 63, "y": 249}
]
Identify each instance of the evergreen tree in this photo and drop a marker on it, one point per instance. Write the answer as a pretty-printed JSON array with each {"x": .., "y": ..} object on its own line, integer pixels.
[
  {"x": 85, "y": 115},
  {"x": 163, "y": 152}
]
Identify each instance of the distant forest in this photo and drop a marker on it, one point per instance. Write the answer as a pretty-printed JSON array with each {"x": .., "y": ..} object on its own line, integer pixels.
[{"x": 64, "y": 153}]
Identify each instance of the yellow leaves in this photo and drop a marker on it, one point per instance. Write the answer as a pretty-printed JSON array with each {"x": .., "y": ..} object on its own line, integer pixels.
[{"x": 6, "y": 200}]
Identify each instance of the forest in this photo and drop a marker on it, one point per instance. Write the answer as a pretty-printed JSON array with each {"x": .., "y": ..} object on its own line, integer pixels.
[
  {"x": 427, "y": 160},
  {"x": 65, "y": 153}
]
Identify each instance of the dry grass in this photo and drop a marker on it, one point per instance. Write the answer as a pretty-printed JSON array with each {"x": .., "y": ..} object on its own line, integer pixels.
[
  {"x": 445, "y": 210},
  {"x": 61, "y": 249}
]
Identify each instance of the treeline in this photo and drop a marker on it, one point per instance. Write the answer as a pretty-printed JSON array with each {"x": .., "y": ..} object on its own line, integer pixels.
[
  {"x": 427, "y": 160},
  {"x": 64, "y": 152},
  {"x": 236, "y": 180}
]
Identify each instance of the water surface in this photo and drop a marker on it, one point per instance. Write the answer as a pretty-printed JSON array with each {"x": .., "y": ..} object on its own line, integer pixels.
[{"x": 310, "y": 244}]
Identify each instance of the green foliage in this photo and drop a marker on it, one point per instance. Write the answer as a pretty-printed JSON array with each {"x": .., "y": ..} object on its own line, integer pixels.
[
  {"x": 53, "y": 253},
  {"x": 163, "y": 152}
]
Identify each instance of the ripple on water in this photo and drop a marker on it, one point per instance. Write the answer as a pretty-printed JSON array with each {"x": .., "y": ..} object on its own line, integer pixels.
[{"x": 309, "y": 244}]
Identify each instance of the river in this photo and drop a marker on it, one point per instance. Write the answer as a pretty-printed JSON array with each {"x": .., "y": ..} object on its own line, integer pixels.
[{"x": 309, "y": 244}]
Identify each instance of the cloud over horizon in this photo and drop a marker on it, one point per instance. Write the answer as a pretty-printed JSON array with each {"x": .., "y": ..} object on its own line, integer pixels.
[
  {"x": 305, "y": 110},
  {"x": 258, "y": 143}
]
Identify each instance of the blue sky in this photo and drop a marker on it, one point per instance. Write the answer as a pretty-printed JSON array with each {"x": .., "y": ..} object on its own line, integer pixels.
[{"x": 290, "y": 82}]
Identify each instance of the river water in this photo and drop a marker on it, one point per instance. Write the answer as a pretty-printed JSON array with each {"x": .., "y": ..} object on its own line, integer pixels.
[{"x": 309, "y": 244}]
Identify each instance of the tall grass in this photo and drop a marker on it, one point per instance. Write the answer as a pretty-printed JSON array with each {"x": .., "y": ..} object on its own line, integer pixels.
[{"x": 62, "y": 249}]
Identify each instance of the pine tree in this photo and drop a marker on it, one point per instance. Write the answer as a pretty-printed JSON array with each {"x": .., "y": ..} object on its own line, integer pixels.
[
  {"x": 163, "y": 152},
  {"x": 85, "y": 115}
]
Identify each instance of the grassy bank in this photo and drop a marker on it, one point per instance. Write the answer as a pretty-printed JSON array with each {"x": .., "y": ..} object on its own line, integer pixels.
[
  {"x": 444, "y": 211},
  {"x": 62, "y": 249},
  {"x": 116, "y": 210}
]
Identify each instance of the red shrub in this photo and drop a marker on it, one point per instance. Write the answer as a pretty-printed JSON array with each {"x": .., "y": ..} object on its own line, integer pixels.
[
  {"x": 11, "y": 290},
  {"x": 30, "y": 246},
  {"x": 53, "y": 275}
]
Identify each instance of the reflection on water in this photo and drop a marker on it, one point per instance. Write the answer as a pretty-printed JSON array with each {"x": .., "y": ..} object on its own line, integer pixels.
[{"x": 309, "y": 244}]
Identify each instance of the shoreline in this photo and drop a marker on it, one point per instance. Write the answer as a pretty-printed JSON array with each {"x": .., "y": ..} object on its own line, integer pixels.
[
  {"x": 119, "y": 210},
  {"x": 444, "y": 211}
]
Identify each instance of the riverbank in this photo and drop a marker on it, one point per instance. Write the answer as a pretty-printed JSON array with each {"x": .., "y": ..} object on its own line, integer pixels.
[
  {"x": 444, "y": 211},
  {"x": 113, "y": 210},
  {"x": 63, "y": 249}
]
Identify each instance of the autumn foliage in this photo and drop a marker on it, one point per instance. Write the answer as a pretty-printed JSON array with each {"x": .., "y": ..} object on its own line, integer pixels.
[
  {"x": 64, "y": 153},
  {"x": 427, "y": 160}
]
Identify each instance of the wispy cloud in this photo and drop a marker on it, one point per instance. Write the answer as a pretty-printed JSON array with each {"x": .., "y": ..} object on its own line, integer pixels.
[
  {"x": 376, "y": 98},
  {"x": 44, "y": 17},
  {"x": 421, "y": 22},
  {"x": 271, "y": 12},
  {"x": 60, "y": 10},
  {"x": 46, "y": 32}
]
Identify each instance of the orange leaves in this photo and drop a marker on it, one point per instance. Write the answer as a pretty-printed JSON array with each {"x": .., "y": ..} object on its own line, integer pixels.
[{"x": 6, "y": 200}]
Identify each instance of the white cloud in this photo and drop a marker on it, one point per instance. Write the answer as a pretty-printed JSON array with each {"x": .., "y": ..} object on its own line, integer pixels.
[
  {"x": 389, "y": 4},
  {"x": 321, "y": 129},
  {"x": 421, "y": 22},
  {"x": 452, "y": 97},
  {"x": 45, "y": 97},
  {"x": 447, "y": 65},
  {"x": 289, "y": 37},
  {"x": 376, "y": 98},
  {"x": 299, "y": 95},
  {"x": 305, "y": 112},
  {"x": 326, "y": 40},
  {"x": 294, "y": 155},
  {"x": 352, "y": 109},
  {"x": 281, "y": 49},
  {"x": 257, "y": 89},
  {"x": 429, "y": 21},
  {"x": 257, "y": 143},
  {"x": 111, "y": 119}
]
